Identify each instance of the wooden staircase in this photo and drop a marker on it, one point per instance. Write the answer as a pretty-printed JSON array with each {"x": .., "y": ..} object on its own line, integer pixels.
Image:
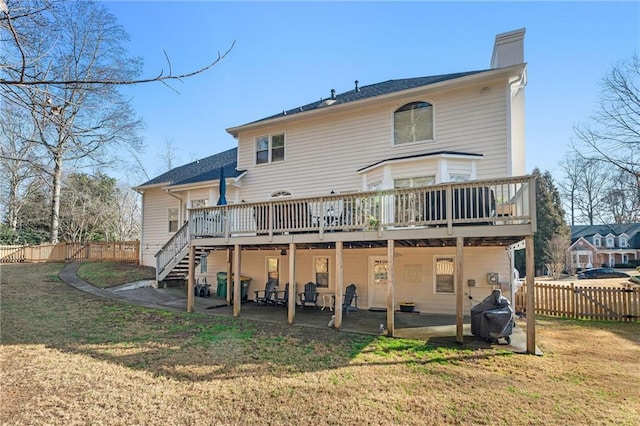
[{"x": 172, "y": 260}]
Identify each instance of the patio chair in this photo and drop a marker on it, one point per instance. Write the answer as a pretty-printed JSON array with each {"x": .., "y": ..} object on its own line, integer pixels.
[
  {"x": 310, "y": 295},
  {"x": 283, "y": 300},
  {"x": 350, "y": 297},
  {"x": 267, "y": 294}
]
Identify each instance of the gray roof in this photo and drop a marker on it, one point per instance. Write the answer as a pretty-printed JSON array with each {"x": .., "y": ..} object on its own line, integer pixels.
[
  {"x": 201, "y": 170},
  {"x": 373, "y": 90},
  {"x": 425, "y": 154},
  {"x": 632, "y": 230}
]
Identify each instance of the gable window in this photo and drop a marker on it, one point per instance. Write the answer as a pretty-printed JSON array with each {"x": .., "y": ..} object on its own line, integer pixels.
[
  {"x": 610, "y": 242},
  {"x": 270, "y": 148},
  {"x": 597, "y": 241},
  {"x": 172, "y": 215},
  {"x": 444, "y": 271},
  {"x": 622, "y": 242},
  {"x": 413, "y": 122},
  {"x": 321, "y": 271}
]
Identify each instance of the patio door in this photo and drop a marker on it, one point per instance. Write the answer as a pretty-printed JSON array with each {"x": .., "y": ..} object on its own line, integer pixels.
[{"x": 378, "y": 270}]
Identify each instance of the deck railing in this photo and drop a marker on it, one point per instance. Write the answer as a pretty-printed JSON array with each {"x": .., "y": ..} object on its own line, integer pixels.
[{"x": 509, "y": 201}]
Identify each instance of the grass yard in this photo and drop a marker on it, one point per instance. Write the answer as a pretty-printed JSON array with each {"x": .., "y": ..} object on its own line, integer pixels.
[
  {"x": 71, "y": 358},
  {"x": 109, "y": 274}
]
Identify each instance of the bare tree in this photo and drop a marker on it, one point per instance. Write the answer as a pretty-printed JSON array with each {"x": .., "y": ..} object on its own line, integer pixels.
[
  {"x": 584, "y": 186},
  {"x": 613, "y": 134},
  {"x": 19, "y": 69},
  {"x": 556, "y": 252},
  {"x": 63, "y": 62},
  {"x": 168, "y": 155},
  {"x": 19, "y": 177}
]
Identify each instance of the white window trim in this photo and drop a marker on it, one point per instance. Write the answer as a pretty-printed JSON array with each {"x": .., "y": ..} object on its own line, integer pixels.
[
  {"x": 610, "y": 243},
  {"x": 270, "y": 149},
  {"x": 266, "y": 267},
  {"x": 455, "y": 273},
  {"x": 597, "y": 241},
  {"x": 177, "y": 220},
  {"x": 433, "y": 124},
  {"x": 313, "y": 271}
]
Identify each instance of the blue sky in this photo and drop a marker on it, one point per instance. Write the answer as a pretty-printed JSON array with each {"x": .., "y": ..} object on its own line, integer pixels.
[{"x": 290, "y": 53}]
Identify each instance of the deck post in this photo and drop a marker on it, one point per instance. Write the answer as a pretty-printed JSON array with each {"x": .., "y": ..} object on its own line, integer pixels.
[
  {"x": 390, "y": 302},
  {"x": 459, "y": 274},
  {"x": 291, "y": 303},
  {"x": 191, "y": 278},
  {"x": 530, "y": 305},
  {"x": 229, "y": 269},
  {"x": 236, "y": 280},
  {"x": 339, "y": 285}
]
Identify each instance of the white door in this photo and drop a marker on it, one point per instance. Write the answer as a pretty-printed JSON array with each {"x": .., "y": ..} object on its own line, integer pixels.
[{"x": 378, "y": 267}]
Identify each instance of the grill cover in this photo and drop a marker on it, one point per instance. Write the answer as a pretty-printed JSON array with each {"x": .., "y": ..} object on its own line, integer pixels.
[{"x": 492, "y": 318}]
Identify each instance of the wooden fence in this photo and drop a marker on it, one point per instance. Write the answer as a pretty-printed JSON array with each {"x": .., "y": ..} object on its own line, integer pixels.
[
  {"x": 571, "y": 301},
  {"x": 120, "y": 251}
]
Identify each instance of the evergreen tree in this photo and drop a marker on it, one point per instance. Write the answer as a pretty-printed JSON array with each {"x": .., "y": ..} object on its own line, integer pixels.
[{"x": 550, "y": 221}]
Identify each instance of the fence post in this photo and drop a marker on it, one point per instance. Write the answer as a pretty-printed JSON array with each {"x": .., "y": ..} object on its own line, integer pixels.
[{"x": 573, "y": 301}]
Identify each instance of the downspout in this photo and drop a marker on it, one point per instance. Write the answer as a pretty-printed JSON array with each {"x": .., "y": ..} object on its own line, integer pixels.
[{"x": 515, "y": 85}]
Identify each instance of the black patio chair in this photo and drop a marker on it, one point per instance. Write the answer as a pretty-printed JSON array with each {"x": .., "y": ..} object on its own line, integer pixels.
[
  {"x": 283, "y": 300},
  {"x": 267, "y": 294},
  {"x": 350, "y": 298},
  {"x": 310, "y": 295}
]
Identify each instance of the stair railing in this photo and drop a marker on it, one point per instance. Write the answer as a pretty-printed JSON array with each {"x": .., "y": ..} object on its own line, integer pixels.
[{"x": 172, "y": 249}]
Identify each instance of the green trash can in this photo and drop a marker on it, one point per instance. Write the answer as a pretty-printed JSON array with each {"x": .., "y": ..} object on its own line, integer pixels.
[{"x": 222, "y": 285}]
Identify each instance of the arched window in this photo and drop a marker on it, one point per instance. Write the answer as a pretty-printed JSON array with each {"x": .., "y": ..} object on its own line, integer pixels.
[
  {"x": 281, "y": 194},
  {"x": 413, "y": 122}
]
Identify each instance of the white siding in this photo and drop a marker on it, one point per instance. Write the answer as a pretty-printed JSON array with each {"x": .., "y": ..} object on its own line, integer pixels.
[
  {"x": 324, "y": 153},
  {"x": 478, "y": 261},
  {"x": 155, "y": 223}
]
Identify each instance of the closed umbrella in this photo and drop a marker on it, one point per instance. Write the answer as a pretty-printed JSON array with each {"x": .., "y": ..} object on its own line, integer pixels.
[{"x": 222, "y": 201}]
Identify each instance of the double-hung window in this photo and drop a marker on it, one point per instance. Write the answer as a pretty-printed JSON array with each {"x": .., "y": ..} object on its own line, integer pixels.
[
  {"x": 270, "y": 148},
  {"x": 173, "y": 219},
  {"x": 321, "y": 270},
  {"x": 413, "y": 122},
  {"x": 444, "y": 274}
]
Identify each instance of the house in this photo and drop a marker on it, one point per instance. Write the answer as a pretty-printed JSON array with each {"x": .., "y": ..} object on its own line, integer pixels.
[
  {"x": 413, "y": 189},
  {"x": 604, "y": 245}
]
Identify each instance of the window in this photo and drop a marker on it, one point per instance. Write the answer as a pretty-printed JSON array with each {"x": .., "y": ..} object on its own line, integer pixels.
[
  {"x": 459, "y": 177},
  {"x": 414, "y": 182},
  {"x": 610, "y": 243},
  {"x": 597, "y": 241},
  {"x": 173, "y": 220},
  {"x": 273, "y": 269},
  {"x": 413, "y": 122},
  {"x": 196, "y": 204},
  {"x": 270, "y": 149},
  {"x": 410, "y": 206},
  {"x": 625, "y": 258},
  {"x": 622, "y": 242},
  {"x": 444, "y": 271},
  {"x": 321, "y": 271}
]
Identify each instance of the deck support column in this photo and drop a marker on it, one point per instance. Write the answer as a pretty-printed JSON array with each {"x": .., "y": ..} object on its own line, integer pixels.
[
  {"x": 390, "y": 275},
  {"x": 228, "y": 277},
  {"x": 530, "y": 303},
  {"x": 236, "y": 280},
  {"x": 191, "y": 278},
  {"x": 339, "y": 285},
  {"x": 291, "y": 303},
  {"x": 459, "y": 274}
]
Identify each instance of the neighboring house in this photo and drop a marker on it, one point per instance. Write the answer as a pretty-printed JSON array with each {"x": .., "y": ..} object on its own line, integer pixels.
[
  {"x": 604, "y": 245},
  {"x": 412, "y": 189}
]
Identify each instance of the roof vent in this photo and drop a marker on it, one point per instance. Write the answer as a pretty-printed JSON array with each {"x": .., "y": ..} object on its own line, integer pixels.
[
  {"x": 357, "y": 89},
  {"x": 333, "y": 94}
]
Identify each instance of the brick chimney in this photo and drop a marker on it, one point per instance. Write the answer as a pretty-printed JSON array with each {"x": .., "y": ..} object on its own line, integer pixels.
[{"x": 508, "y": 49}]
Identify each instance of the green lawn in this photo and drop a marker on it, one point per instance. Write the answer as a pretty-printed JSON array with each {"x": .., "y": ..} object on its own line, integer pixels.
[{"x": 72, "y": 358}]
